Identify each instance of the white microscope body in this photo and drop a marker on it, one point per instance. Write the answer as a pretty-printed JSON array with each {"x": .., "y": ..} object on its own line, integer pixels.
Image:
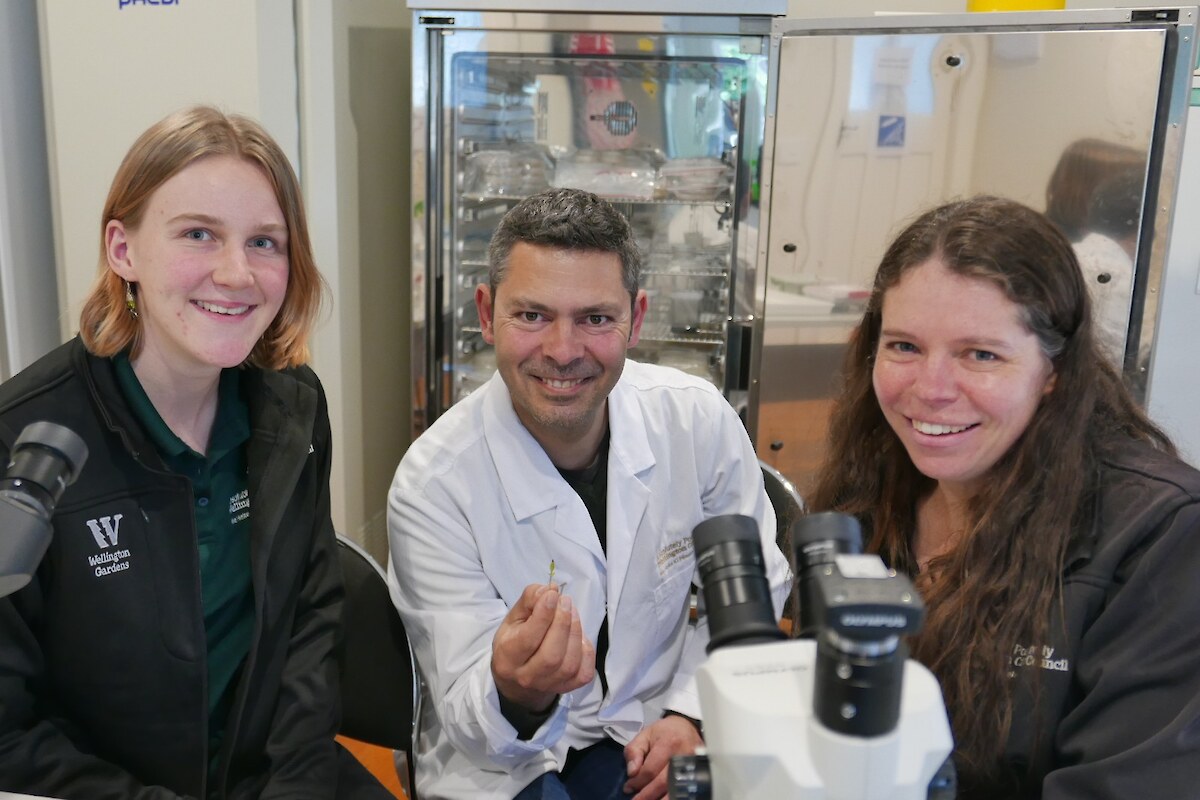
[
  {"x": 763, "y": 740},
  {"x": 844, "y": 715}
]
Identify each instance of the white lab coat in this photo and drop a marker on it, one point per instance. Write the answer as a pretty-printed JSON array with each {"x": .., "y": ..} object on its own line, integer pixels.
[{"x": 476, "y": 513}]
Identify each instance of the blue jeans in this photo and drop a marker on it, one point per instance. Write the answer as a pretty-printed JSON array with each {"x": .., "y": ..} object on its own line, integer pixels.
[{"x": 594, "y": 773}]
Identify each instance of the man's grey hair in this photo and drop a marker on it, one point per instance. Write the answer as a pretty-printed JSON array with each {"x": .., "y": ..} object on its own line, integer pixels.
[{"x": 566, "y": 219}]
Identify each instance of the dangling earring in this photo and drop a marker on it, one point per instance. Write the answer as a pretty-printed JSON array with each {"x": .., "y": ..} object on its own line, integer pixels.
[{"x": 130, "y": 301}]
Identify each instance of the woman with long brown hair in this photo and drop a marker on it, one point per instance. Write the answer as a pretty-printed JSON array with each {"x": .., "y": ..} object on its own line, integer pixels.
[{"x": 991, "y": 453}]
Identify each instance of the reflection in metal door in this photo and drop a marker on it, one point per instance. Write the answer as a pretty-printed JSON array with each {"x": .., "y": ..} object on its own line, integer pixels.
[{"x": 909, "y": 98}]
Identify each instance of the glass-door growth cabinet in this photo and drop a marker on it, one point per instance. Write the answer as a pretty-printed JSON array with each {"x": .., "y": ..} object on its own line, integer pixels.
[{"x": 662, "y": 114}]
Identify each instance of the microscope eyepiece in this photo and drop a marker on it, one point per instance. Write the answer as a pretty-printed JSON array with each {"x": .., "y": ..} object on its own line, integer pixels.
[
  {"x": 858, "y": 610},
  {"x": 45, "y": 459},
  {"x": 737, "y": 595}
]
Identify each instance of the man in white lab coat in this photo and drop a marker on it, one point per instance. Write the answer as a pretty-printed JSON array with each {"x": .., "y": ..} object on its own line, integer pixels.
[{"x": 540, "y": 531}]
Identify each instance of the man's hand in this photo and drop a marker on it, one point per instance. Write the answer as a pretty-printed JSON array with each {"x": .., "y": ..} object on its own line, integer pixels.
[
  {"x": 540, "y": 651},
  {"x": 648, "y": 756}
]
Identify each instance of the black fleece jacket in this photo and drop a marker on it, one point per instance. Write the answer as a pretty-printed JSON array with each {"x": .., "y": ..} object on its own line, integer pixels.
[
  {"x": 102, "y": 656},
  {"x": 1118, "y": 714}
]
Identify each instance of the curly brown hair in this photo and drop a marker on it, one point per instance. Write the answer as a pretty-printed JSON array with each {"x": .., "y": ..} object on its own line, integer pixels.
[{"x": 998, "y": 586}]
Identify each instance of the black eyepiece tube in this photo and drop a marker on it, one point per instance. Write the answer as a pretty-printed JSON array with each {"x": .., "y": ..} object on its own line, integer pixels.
[
  {"x": 45, "y": 459},
  {"x": 737, "y": 595},
  {"x": 818, "y": 539},
  {"x": 48, "y": 456}
]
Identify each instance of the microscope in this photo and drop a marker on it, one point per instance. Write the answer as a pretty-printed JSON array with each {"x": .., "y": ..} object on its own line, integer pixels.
[
  {"x": 839, "y": 714},
  {"x": 45, "y": 460}
]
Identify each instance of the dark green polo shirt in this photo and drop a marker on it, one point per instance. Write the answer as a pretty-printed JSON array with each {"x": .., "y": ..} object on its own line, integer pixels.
[{"x": 222, "y": 513}]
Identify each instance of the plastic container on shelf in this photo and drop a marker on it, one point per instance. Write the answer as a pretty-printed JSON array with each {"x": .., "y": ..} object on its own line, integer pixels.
[
  {"x": 695, "y": 178},
  {"x": 609, "y": 173},
  {"x": 516, "y": 172}
]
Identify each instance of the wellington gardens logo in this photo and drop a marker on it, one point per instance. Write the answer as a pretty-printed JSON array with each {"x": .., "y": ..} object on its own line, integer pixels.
[{"x": 106, "y": 531}]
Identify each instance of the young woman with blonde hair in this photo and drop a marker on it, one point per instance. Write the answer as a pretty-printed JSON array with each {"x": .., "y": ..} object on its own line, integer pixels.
[{"x": 178, "y": 638}]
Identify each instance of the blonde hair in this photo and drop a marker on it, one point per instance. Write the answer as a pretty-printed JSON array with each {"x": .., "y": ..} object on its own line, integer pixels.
[{"x": 166, "y": 148}]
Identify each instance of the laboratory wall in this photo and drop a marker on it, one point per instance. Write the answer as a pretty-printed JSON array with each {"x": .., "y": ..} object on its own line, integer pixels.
[
  {"x": 28, "y": 288},
  {"x": 355, "y": 90}
]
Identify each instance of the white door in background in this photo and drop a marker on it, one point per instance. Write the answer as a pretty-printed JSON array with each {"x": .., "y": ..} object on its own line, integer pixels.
[{"x": 899, "y": 116}]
